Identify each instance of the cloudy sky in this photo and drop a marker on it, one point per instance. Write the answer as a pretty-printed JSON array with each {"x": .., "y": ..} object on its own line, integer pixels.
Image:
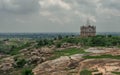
[{"x": 58, "y": 15}]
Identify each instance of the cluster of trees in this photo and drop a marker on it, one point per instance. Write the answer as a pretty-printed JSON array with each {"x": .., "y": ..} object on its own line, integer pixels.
[
  {"x": 12, "y": 47},
  {"x": 44, "y": 42},
  {"x": 98, "y": 40}
]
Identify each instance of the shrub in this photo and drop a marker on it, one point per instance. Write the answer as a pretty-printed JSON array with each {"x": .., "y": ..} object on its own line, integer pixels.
[
  {"x": 27, "y": 71},
  {"x": 85, "y": 72},
  {"x": 58, "y": 45},
  {"x": 20, "y": 63}
]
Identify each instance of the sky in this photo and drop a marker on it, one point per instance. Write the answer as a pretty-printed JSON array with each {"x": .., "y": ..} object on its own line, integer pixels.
[{"x": 58, "y": 15}]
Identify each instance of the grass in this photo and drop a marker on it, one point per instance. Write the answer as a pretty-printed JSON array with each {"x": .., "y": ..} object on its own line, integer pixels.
[
  {"x": 102, "y": 56},
  {"x": 68, "y": 52},
  {"x": 117, "y": 73},
  {"x": 16, "y": 50},
  {"x": 85, "y": 72}
]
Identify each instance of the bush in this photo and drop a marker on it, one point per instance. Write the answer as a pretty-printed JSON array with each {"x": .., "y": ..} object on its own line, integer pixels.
[
  {"x": 60, "y": 37},
  {"x": 44, "y": 42},
  {"x": 27, "y": 71},
  {"x": 85, "y": 72},
  {"x": 15, "y": 50},
  {"x": 58, "y": 45},
  {"x": 20, "y": 63}
]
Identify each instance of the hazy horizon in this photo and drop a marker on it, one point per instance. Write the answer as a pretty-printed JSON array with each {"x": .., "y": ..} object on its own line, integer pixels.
[
  {"x": 41, "y": 16},
  {"x": 50, "y": 32}
]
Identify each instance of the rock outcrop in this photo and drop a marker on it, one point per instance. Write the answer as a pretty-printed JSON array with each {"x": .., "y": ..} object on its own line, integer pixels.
[
  {"x": 58, "y": 66},
  {"x": 74, "y": 64},
  {"x": 6, "y": 64}
]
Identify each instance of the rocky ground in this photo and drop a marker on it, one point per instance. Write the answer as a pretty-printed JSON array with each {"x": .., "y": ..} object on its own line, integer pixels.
[
  {"x": 71, "y": 66},
  {"x": 74, "y": 64},
  {"x": 66, "y": 65}
]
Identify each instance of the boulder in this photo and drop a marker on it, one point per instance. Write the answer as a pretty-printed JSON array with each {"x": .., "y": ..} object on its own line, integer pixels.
[
  {"x": 7, "y": 64},
  {"x": 57, "y": 66},
  {"x": 46, "y": 50}
]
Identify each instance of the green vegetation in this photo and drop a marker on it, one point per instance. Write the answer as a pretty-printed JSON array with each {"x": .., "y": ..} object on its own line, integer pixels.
[
  {"x": 15, "y": 50},
  {"x": 44, "y": 42},
  {"x": 58, "y": 45},
  {"x": 13, "y": 46},
  {"x": 102, "y": 56},
  {"x": 117, "y": 73},
  {"x": 67, "y": 52},
  {"x": 20, "y": 63},
  {"x": 59, "y": 37},
  {"x": 27, "y": 71},
  {"x": 99, "y": 40},
  {"x": 85, "y": 72}
]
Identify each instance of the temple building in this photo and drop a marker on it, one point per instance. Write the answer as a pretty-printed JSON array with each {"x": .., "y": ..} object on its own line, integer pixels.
[{"x": 87, "y": 30}]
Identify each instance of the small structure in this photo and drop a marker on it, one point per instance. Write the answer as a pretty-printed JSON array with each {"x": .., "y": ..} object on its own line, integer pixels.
[{"x": 87, "y": 30}]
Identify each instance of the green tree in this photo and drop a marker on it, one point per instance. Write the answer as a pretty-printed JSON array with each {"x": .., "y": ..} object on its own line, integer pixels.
[
  {"x": 59, "y": 37},
  {"x": 45, "y": 42},
  {"x": 58, "y": 45}
]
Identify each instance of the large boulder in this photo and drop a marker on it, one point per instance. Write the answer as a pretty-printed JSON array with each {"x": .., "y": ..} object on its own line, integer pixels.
[
  {"x": 7, "y": 64},
  {"x": 52, "y": 65},
  {"x": 46, "y": 50},
  {"x": 58, "y": 66},
  {"x": 36, "y": 59}
]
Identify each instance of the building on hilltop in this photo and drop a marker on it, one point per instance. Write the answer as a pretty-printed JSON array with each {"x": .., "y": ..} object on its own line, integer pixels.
[{"x": 87, "y": 30}]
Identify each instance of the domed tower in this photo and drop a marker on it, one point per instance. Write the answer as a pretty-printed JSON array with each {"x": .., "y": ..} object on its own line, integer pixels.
[{"x": 87, "y": 30}]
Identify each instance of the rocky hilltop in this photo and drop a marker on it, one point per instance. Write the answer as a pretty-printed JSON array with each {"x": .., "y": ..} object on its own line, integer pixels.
[
  {"x": 61, "y": 56},
  {"x": 73, "y": 65}
]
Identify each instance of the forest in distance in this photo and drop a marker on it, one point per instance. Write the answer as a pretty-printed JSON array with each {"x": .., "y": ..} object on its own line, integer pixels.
[{"x": 49, "y": 34}]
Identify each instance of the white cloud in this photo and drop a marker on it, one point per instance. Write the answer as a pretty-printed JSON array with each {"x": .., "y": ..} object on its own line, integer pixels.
[
  {"x": 19, "y": 6},
  {"x": 68, "y": 13},
  {"x": 109, "y": 12},
  {"x": 9, "y": 4},
  {"x": 56, "y": 20},
  {"x": 51, "y": 16},
  {"x": 50, "y": 3},
  {"x": 84, "y": 16},
  {"x": 45, "y": 13},
  {"x": 109, "y": 9},
  {"x": 20, "y": 20}
]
